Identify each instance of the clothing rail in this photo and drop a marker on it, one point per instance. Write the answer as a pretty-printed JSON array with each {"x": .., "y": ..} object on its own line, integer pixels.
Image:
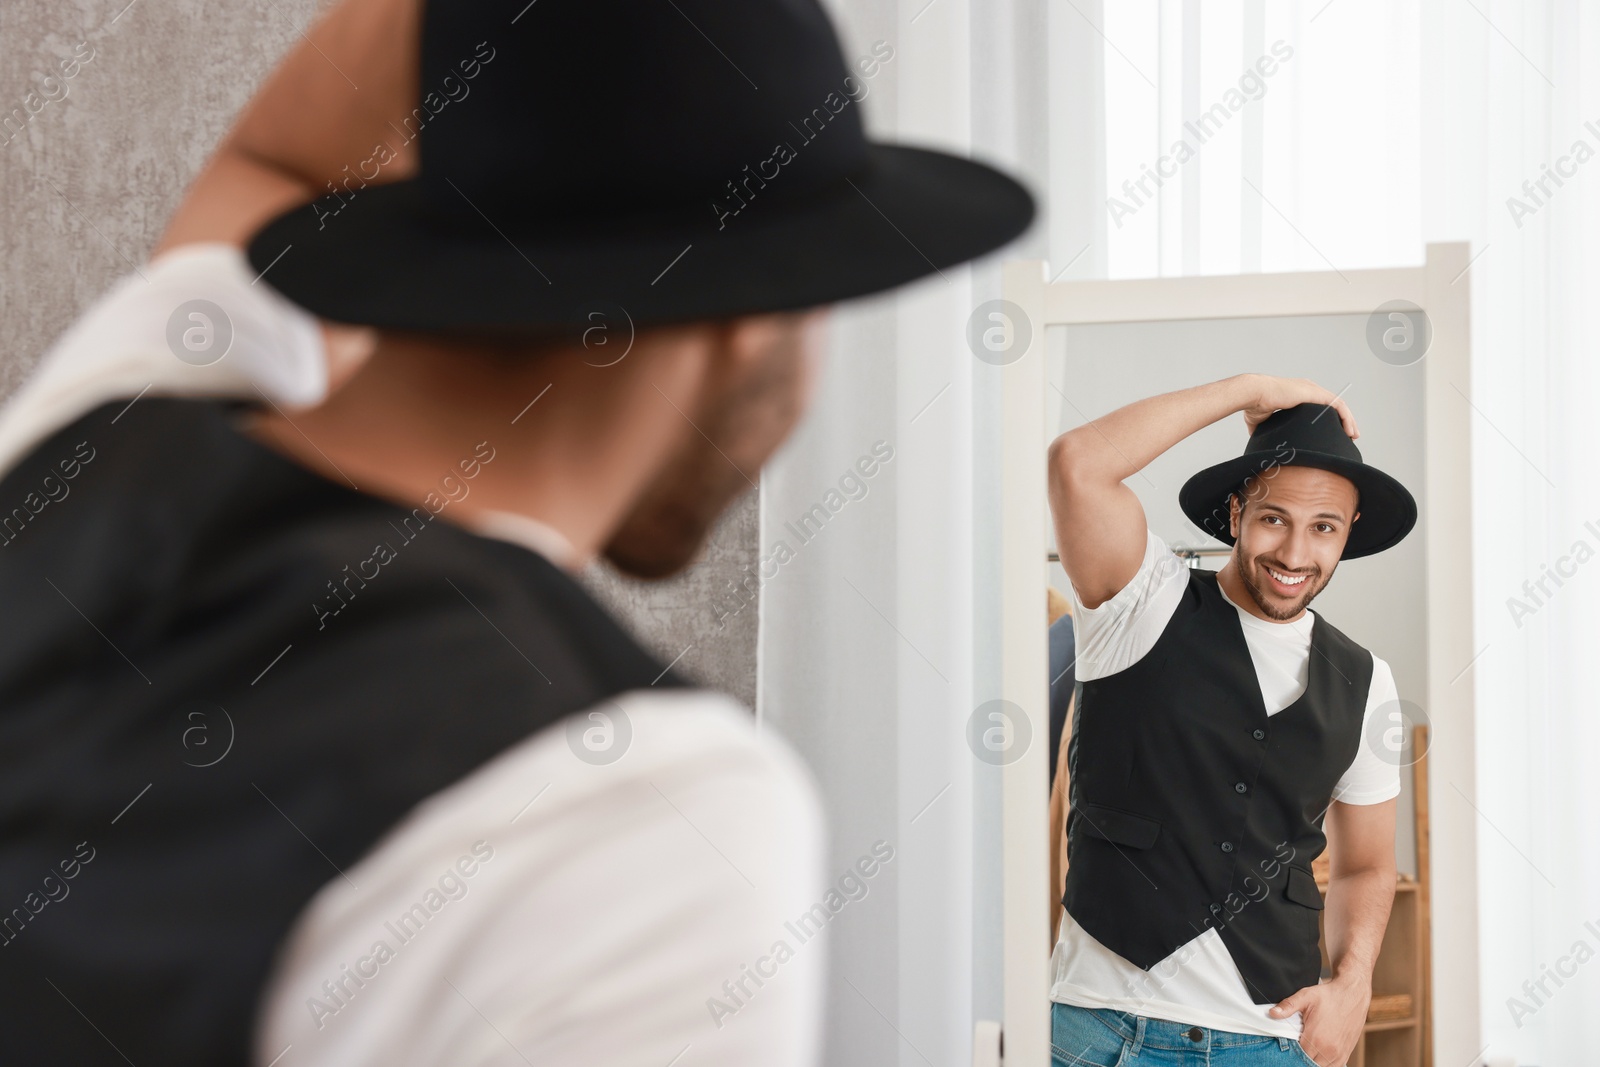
[{"x": 1191, "y": 556}]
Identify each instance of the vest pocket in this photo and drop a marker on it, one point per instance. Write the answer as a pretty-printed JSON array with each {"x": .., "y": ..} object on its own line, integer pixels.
[
  {"x": 1119, "y": 827},
  {"x": 1302, "y": 888}
]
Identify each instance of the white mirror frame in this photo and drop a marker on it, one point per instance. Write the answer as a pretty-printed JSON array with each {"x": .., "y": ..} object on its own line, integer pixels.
[{"x": 1441, "y": 288}]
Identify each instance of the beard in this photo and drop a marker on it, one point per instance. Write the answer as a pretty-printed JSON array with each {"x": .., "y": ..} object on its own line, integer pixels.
[
  {"x": 669, "y": 526},
  {"x": 1258, "y": 584}
]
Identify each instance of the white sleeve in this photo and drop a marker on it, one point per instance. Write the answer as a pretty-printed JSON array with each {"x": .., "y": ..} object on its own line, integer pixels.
[
  {"x": 1118, "y": 633},
  {"x": 192, "y": 322},
  {"x": 613, "y": 914},
  {"x": 1374, "y": 775}
]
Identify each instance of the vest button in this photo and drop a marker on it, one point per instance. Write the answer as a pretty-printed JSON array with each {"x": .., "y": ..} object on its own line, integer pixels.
[
  {"x": 1194, "y": 1033},
  {"x": 1239, "y": 787},
  {"x": 1259, "y": 735},
  {"x": 1227, "y": 846}
]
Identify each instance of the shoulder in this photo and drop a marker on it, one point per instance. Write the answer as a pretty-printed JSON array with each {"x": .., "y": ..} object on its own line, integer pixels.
[
  {"x": 611, "y": 900},
  {"x": 1383, "y": 687},
  {"x": 1346, "y": 651},
  {"x": 643, "y": 742},
  {"x": 1118, "y": 633},
  {"x": 1353, "y": 676},
  {"x": 1374, "y": 774},
  {"x": 1160, "y": 569},
  {"x": 192, "y": 322}
]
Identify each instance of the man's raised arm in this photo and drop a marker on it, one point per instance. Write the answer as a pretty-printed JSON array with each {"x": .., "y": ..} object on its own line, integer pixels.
[{"x": 349, "y": 84}]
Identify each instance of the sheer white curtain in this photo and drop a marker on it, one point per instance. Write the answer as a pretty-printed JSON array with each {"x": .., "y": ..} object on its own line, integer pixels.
[
  {"x": 1506, "y": 102},
  {"x": 873, "y": 648},
  {"x": 1246, "y": 136}
]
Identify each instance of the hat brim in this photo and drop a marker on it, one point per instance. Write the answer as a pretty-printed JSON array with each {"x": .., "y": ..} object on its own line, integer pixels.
[
  {"x": 383, "y": 261},
  {"x": 1388, "y": 510}
]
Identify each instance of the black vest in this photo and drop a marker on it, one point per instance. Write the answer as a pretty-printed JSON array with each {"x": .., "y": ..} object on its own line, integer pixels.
[
  {"x": 1191, "y": 808},
  {"x": 172, "y": 587}
]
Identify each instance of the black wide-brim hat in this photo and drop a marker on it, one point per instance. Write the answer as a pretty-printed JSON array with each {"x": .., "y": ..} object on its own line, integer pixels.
[
  {"x": 662, "y": 162},
  {"x": 1307, "y": 435}
]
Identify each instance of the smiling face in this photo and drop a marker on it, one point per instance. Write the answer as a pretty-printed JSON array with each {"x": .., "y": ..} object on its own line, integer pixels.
[{"x": 1290, "y": 531}]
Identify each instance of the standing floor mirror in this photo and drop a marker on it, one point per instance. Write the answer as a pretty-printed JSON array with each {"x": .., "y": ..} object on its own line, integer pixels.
[{"x": 1394, "y": 343}]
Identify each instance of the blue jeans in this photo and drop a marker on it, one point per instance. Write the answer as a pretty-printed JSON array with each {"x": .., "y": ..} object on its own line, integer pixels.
[{"x": 1101, "y": 1037}]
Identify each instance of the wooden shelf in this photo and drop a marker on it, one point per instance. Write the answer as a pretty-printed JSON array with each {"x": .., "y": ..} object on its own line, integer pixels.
[{"x": 1391, "y": 1024}]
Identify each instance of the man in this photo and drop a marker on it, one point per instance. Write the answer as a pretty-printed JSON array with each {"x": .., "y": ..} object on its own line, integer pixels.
[
  {"x": 1219, "y": 726},
  {"x": 315, "y": 751}
]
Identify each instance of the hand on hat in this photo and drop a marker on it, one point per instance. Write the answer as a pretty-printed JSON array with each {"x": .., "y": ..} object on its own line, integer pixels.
[{"x": 1273, "y": 394}]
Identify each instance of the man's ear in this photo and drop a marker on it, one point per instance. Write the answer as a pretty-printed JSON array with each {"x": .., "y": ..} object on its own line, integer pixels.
[
  {"x": 347, "y": 349},
  {"x": 759, "y": 343},
  {"x": 747, "y": 339},
  {"x": 750, "y": 337}
]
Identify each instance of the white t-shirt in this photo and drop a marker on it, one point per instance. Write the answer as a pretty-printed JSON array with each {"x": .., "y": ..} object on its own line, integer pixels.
[
  {"x": 1198, "y": 983},
  {"x": 569, "y": 912}
]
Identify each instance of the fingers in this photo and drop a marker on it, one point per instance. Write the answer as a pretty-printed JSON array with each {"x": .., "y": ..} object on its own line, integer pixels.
[
  {"x": 1290, "y": 392},
  {"x": 1296, "y": 1001},
  {"x": 1321, "y": 395},
  {"x": 1347, "y": 418}
]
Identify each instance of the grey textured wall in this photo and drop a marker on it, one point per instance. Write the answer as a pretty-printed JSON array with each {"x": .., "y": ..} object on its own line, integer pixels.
[
  {"x": 708, "y": 614},
  {"x": 107, "y": 110}
]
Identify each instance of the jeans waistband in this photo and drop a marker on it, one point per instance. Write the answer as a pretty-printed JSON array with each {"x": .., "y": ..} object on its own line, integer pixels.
[{"x": 1144, "y": 1031}]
